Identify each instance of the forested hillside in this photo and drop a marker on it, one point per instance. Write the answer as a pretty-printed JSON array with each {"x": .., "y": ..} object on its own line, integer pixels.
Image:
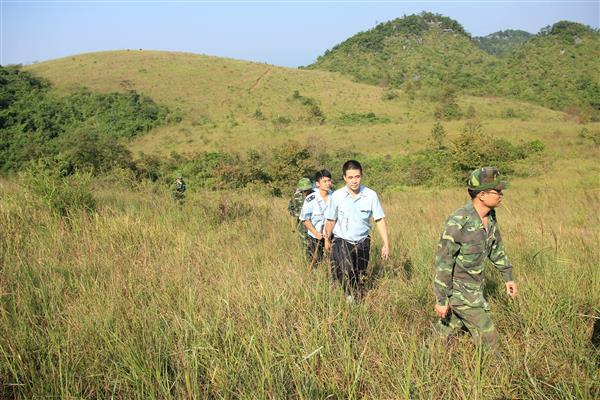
[
  {"x": 423, "y": 51},
  {"x": 504, "y": 42},
  {"x": 557, "y": 68},
  {"x": 80, "y": 130}
]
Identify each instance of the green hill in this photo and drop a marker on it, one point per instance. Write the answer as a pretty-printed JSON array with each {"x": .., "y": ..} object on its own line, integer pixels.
[
  {"x": 416, "y": 51},
  {"x": 502, "y": 43},
  {"x": 557, "y": 68},
  {"x": 235, "y": 105}
]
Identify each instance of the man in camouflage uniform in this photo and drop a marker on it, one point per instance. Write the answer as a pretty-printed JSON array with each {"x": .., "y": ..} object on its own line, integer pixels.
[
  {"x": 179, "y": 189},
  {"x": 303, "y": 189},
  {"x": 470, "y": 235}
]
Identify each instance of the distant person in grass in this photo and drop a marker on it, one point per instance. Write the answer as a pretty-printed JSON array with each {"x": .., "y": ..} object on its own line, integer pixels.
[
  {"x": 348, "y": 219},
  {"x": 179, "y": 192},
  {"x": 471, "y": 234},
  {"x": 313, "y": 216},
  {"x": 303, "y": 189}
]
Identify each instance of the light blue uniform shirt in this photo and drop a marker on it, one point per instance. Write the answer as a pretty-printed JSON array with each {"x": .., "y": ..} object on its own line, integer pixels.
[
  {"x": 314, "y": 209},
  {"x": 352, "y": 215}
]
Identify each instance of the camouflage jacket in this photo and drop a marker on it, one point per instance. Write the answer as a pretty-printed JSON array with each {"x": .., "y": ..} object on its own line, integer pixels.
[
  {"x": 460, "y": 259},
  {"x": 295, "y": 204},
  {"x": 180, "y": 186}
]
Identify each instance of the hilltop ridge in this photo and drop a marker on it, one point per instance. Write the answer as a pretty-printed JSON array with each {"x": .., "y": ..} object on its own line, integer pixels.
[
  {"x": 503, "y": 42},
  {"x": 425, "y": 51}
]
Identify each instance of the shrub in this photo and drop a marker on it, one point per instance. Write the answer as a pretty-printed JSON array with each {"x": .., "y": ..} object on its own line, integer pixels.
[
  {"x": 389, "y": 95},
  {"x": 90, "y": 151},
  {"x": 448, "y": 111},
  {"x": 509, "y": 113},
  {"x": 258, "y": 114},
  {"x": 36, "y": 124},
  {"x": 594, "y": 136},
  {"x": 314, "y": 111},
  {"x": 362, "y": 118},
  {"x": 471, "y": 113},
  {"x": 438, "y": 135},
  {"x": 281, "y": 121},
  {"x": 63, "y": 195}
]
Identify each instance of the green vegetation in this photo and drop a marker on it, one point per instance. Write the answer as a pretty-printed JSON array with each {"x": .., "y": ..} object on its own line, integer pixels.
[
  {"x": 502, "y": 43},
  {"x": 210, "y": 94},
  {"x": 276, "y": 170},
  {"x": 146, "y": 298},
  {"x": 362, "y": 118},
  {"x": 556, "y": 68},
  {"x": 61, "y": 195},
  {"x": 424, "y": 51},
  {"x": 80, "y": 130},
  {"x": 314, "y": 111},
  {"x": 110, "y": 289}
]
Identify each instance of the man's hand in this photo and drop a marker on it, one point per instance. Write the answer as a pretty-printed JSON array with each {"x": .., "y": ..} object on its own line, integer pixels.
[
  {"x": 385, "y": 252},
  {"x": 442, "y": 311},
  {"x": 327, "y": 245},
  {"x": 318, "y": 235},
  {"x": 511, "y": 289}
]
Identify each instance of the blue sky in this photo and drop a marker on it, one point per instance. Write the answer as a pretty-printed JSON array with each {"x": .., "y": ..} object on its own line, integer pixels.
[{"x": 285, "y": 33}]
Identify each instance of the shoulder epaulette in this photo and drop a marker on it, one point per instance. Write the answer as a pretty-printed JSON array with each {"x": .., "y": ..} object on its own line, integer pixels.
[{"x": 310, "y": 198}]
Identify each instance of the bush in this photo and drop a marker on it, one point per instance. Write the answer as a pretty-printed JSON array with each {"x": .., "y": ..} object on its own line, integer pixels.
[
  {"x": 508, "y": 113},
  {"x": 35, "y": 124},
  {"x": 389, "y": 95},
  {"x": 593, "y": 136},
  {"x": 362, "y": 118},
  {"x": 314, "y": 111},
  {"x": 448, "y": 111},
  {"x": 63, "y": 195},
  {"x": 90, "y": 151},
  {"x": 473, "y": 149},
  {"x": 281, "y": 121},
  {"x": 438, "y": 135}
]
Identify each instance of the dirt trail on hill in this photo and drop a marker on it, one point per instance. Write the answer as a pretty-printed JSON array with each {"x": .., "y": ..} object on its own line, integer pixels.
[{"x": 260, "y": 78}]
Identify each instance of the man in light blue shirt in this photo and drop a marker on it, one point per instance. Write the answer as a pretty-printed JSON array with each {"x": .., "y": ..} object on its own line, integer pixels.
[
  {"x": 313, "y": 216},
  {"x": 348, "y": 218}
]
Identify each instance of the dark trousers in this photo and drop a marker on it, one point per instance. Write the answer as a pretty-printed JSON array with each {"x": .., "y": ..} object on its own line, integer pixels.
[
  {"x": 349, "y": 264},
  {"x": 314, "y": 250}
]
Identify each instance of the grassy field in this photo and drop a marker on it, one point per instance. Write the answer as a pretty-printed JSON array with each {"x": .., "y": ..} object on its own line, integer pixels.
[
  {"x": 212, "y": 299},
  {"x": 219, "y": 99},
  {"x": 144, "y": 298}
]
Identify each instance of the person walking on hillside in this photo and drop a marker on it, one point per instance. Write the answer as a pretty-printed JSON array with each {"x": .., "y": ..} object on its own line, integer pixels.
[
  {"x": 348, "y": 219},
  {"x": 179, "y": 191},
  {"x": 303, "y": 189},
  {"x": 470, "y": 235},
  {"x": 313, "y": 216}
]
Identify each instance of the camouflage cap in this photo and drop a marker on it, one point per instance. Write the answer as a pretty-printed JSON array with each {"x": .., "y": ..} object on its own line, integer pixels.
[
  {"x": 486, "y": 178},
  {"x": 304, "y": 184}
]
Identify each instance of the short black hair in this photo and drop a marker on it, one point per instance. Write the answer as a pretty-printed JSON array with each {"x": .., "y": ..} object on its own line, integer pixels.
[
  {"x": 351, "y": 164},
  {"x": 473, "y": 193},
  {"x": 322, "y": 174}
]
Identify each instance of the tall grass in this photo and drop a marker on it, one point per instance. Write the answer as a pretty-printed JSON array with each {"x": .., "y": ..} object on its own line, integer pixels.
[{"x": 146, "y": 298}]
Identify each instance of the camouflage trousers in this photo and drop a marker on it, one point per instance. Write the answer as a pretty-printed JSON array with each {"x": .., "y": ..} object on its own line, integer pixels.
[{"x": 475, "y": 319}]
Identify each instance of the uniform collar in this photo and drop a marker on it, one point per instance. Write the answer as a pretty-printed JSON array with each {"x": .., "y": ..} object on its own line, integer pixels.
[
  {"x": 317, "y": 193},
  {"x": 361, "y": 191},
  {"x": 472, "y": 212}
]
